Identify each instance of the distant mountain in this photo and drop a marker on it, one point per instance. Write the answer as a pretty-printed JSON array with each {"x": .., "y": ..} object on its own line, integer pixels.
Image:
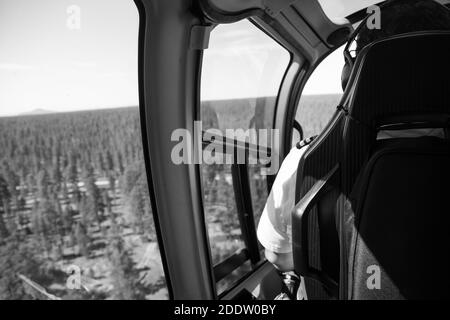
[{"x": 36, "y": 112}]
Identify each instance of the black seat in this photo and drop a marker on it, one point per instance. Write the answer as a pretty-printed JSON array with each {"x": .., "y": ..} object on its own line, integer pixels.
[
  {"x": 400, "y": 82},
  {"x": 401, "y": 239}
]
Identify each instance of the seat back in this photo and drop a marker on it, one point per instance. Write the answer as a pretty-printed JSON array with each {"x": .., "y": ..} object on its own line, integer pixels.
[
  {"x": 392, "y": 79},
  {"x": 401, "y": 241}
]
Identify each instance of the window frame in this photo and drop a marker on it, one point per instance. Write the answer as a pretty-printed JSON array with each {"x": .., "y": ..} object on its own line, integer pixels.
[
  {"x": 166, "y": 54},
  {"x": 242, "y": 188},
  {"x": 142, "y": 128},
  {"x": 175, "y": 37}
]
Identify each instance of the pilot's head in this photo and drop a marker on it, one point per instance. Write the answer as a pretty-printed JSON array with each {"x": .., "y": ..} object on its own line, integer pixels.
[{"x": 398, "y": 17}]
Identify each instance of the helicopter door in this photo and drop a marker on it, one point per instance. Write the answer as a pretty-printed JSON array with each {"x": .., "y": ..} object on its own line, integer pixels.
[
  {"x": 220, "y": 93},
  {"x": 242, "y": 72}
]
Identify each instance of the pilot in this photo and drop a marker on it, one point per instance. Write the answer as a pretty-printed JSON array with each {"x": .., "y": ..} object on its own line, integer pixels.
[{"x": 274, "y": 230}]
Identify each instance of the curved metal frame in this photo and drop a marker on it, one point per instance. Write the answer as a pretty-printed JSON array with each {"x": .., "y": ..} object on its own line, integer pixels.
[
  {"x": 172, "y": 33},
  {"x": 169, "y": 74}
]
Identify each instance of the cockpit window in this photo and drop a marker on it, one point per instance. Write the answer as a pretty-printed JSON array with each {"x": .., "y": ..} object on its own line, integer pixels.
[
  {"x": 242, "y": 72},
  {"x": 338, "y": 10},
  {"x": 75, "y": 214},
  {"x": 320, "y": 97}
]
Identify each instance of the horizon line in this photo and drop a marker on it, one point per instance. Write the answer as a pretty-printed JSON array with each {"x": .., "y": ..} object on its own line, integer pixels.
[{"x": 49, "y": 111}]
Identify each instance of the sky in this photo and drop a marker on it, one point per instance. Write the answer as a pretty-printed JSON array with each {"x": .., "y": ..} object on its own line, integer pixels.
[
  {"x": 248, "y": 63},
  {"x": 326, "y": 79},
  {"x": 242, "y": 62},
  {"x": 45, "y": 64},
  {"x": 57, "y": 58}
]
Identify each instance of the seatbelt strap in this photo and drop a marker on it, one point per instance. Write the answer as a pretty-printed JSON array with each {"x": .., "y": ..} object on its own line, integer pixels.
[{"x": 346, "y": 112}]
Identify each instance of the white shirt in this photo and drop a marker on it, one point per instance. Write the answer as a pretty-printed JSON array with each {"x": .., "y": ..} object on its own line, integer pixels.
[{"x": 274, "y": 229}]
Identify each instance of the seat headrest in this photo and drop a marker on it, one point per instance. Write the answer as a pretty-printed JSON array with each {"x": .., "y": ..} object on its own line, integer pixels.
[{"x": 405, "y": 74}]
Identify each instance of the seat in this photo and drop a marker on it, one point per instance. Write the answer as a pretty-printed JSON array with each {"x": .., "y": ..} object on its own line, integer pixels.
[
  {"x": 397, "y": 83},
  {"x": 401, "y": 239}
]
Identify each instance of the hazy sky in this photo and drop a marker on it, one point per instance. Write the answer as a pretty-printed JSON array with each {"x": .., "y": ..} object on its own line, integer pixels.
[
  {"x": 242, "y": 61},
  {"x": 46, "y": 64},
  {"x": 248, "y": 63}
]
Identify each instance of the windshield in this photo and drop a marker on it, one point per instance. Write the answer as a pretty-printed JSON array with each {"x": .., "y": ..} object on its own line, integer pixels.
[{"x": 337, "y": 10}]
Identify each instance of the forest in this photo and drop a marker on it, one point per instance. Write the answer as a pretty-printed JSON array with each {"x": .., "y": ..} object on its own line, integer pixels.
[
  {"x": 73, "y": 192},
  {"x": 74, "y": 196}
]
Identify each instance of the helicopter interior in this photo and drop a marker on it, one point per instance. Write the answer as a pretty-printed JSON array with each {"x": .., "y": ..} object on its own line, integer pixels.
[
  {"x": 309, "y": 30},
  {"x": 167, "y": 124}
]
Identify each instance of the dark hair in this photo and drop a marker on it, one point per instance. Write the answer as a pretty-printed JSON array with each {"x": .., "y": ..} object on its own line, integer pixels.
[{"x": 403, "y": 16}]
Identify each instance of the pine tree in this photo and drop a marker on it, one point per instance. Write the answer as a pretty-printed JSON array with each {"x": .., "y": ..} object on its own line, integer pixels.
[
  {"x": 125, "y": 281},
  {"x": 112, "y": 181},
  {"x": 137, "y": 208},
  {"x": 12, "y": 180},
  {"x": 56, "y": 175},
  {"x": 94, "y": 201},
  {"x": 43, "y": 185},
  {"x": 101, "y": 168},
  {"x": 107, "y": 202},
  {"x": 130, "y": 178},
  {"x": 109, "y": 161},
  {"x": 83, "y": 240},
  {"x": 119, "y": 162},
  {"x": 67, "y": 219},
  {"x": 4, "y": 199},
  {"x": 18, "y": 257},
  {"x": 58, "y": 231},
  {"x": 72, "y": 176}
]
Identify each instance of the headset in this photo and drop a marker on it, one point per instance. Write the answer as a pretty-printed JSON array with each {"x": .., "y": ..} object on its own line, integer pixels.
[{"x": 349, "y": 59}]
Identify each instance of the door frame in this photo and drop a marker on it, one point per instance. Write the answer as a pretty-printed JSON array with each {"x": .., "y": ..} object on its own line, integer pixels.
[{"x": 172, "y": 37}]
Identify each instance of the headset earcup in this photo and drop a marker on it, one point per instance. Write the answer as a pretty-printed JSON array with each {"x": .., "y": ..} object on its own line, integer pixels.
[{"x": 345, "y": 76}]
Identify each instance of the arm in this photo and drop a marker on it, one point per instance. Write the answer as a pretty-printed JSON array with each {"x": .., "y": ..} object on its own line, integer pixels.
[
  {"x": 274, "y": 225},
  {"x": 282, "y": 261}
]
